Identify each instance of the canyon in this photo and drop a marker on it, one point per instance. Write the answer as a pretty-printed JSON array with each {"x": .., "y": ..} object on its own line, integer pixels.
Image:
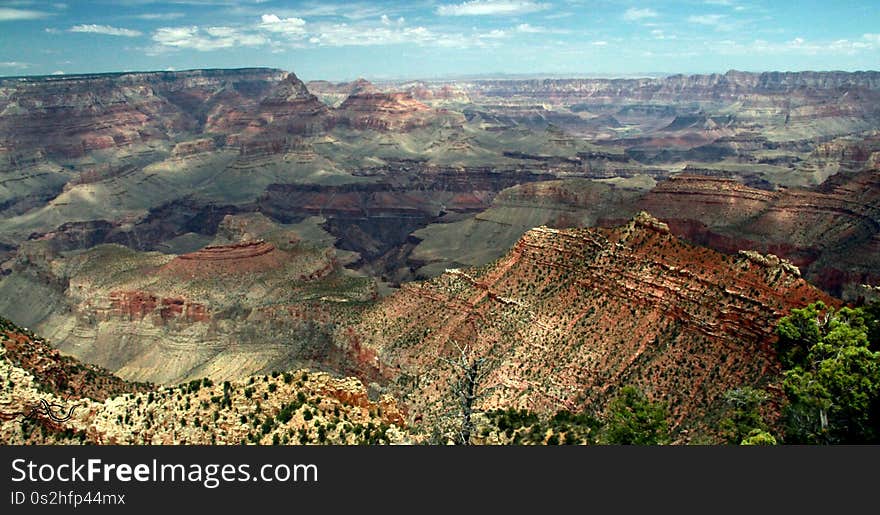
[{"x": 581, "y": 234}]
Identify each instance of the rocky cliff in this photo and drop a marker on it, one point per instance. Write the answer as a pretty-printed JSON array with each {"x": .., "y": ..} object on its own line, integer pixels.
[
  {"x": 71, "y": 116},
  {"x": 568, "y": 317},
  {"x": 287, "y": 108},
  {"x": 831, "y": 232},
  {"x": 259, "y": 298},
  {"x": 367, "y": 110},
  {"x": 733, "y": 84}
]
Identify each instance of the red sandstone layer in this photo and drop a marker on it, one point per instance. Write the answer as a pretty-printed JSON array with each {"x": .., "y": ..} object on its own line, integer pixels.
[{"x": 570, "y": 316}]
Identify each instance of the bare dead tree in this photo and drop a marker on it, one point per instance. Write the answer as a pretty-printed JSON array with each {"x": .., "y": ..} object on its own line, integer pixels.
[{"x": 466, "y": 389}]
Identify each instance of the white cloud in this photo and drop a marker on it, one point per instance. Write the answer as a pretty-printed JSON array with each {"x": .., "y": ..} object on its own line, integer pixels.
[
  {"x": 660, "y": 34},
  {"x": 730, "y": 4},
  {"x": 278, "y": 34},
  {"x": 493, "y": 34},
  {"x": 9, "y": 14},
  {"x": 490, "y": 7},
  {"x": 718, "y": 21},
  {"x": 556, "y": 16},
  {"x": 348, "y": 10},
  {"x": 14, "y": 64},
  {"x": 525, "y": 27},
  {"x": 57, "y": 72},
  {"x": 105, "y": 29},
  {"x": 636, "y": 14},
  {"x": 875, "y": 38},
  {"x": 203, "y": 40},
  {"x": 532, "y": 29},
  {"x": 343, "y": 34},
  {"x": 706, "y": 19},
  {"x": 600, "y": 43},
  {"x": 288, "y": 26},
  {"x": 159, "y": 16},
  {"x": 388, "y": 21}
]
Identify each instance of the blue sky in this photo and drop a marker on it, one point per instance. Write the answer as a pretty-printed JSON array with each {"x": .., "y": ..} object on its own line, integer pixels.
[{"x": 338, "y": 40}]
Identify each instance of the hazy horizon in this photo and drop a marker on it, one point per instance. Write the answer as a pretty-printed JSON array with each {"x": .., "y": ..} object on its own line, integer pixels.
[{"x": 450, "y": 77}]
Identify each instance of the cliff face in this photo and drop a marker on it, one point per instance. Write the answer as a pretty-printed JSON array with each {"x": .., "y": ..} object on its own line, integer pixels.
[
  {"x": 288, "y": 108},
  {"x": 847, "y": 154},
  {"x": 260, "y": 298},
  {"x": 567, "y": 317},
  {"x": 383, "y": 111},
  {"x": 334, "y": 94},
  {"x": 72, "y": 118},
  {"x": 733, "y": 84},
  {"x": 796, "y": 108},
  {"x": 830, "y": 232},
  {"x": 69, "y": 117}
]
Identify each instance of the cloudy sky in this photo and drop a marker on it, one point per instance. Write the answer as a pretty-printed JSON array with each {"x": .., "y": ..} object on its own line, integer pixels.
[{"x": 339, "y": 40}]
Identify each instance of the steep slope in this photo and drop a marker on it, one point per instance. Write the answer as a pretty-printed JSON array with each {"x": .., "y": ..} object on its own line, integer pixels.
[
  {"x": 288, "y": 108},
  {"x": 366, "y": 109},
  {"x": 48, "y": 399},
  {"x": 60, "y": 375},
  {"x": 260, "y": 298},
  {"x": 733, "y": 85},
  {"x": 70, "y": 116},
  {"x": 479, "y": 239},
  {"x": 334, "y": 94},
  {"x": 568, "y": 317},
  {"x": 831, "y": 232}
]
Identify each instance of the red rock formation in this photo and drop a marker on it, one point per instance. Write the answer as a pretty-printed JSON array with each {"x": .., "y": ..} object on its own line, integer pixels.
[
  {"x": 287, "y": 109},
  {"x": 197, "y": 146},
  {"x": 569, "y": 316},
  {"x": 357, "y": 397},
  {"x": 133, "y": 305},
  {"x": 833, "y": 227},
  {"x": 226, "y": 260},
  {"x": 235, "y": 251},
  {"x": 138, "y": 305},
  {"x": 71, "y": 116},
  {"x": 383, "y": 111}
]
